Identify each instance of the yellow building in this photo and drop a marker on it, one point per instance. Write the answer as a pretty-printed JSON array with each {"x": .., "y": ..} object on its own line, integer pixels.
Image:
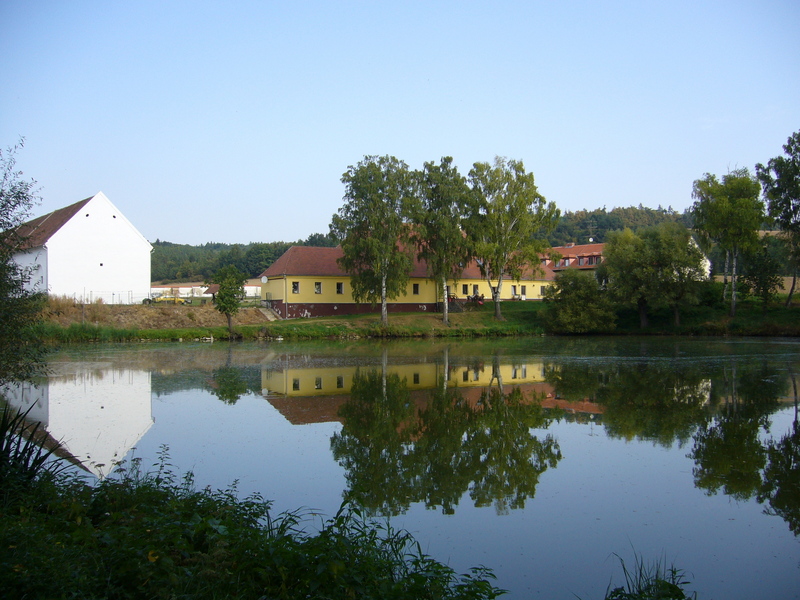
[
  {"x": 332, "y": 381},
  {"x": 308, "y": 282}
]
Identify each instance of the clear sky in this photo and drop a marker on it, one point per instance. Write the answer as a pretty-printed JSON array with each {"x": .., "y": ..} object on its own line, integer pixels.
[{"x": 234, "y": 121}]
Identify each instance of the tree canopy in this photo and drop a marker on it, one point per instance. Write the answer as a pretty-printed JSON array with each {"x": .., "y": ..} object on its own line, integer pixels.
[
  {"x": 576, "y": 304},
  {"x": 658, "y": 266},
  {"x": 507, "y": 218},
  {"x": 230, "y": 294},
  {"x": 373, "y": 229},
  {"x": 729, "y": 212},
  {"x": 439, "y": 213},
  {"x": 21, "y": 356},
  {"x": 781, "y": 182}
]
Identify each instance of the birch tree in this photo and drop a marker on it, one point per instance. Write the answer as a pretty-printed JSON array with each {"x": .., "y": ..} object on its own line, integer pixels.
[
  {"x": 372, "y": 228},
  {"x": 729, "y": 212},
  {"x": 506, "y": 214},
  {"x": 443, "y": 196}
]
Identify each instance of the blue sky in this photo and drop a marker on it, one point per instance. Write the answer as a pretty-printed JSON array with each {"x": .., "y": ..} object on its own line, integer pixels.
[{"x": 234, "y": 121}]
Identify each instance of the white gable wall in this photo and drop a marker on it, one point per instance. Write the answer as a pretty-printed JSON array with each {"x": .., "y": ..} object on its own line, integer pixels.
[
  {"x": 34, "y": 263},
  {"x": 98, "y": 254}
]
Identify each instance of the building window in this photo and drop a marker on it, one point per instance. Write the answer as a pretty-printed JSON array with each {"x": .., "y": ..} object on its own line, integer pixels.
[
  {"x": 514, "y": 290},
  {"x": 339, "y": 382},
  {"x": 339, "y": 287},
  {"x": 524, "y": 291},
  {"x": 541, "y": 291},
  {"x": 475, "y": 288},
  {"x": 318, "y": 383},
  {"x": 581, "y": 261},
  {"x": 295, "y": 287},
  {"x": 465, "y": 289},
  {"x": 415, "y": 289},
  {"x": 416, "y": 378},
  {"x": 317, "y": 287},
  {"x": 295, "y": 384},
  {"x": 465, "y": 375}
]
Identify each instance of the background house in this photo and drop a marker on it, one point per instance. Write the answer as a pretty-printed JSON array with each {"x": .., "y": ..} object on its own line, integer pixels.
[
  {"x": 88, "y": 251},
  {"x": 583, "y": 256}
]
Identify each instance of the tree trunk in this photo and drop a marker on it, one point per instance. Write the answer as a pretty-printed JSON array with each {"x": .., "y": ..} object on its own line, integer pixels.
[
  {"x": 725, "y": 275},
  {"x": 445, "y": 303},
  {"x": 677, "y": 315},
  {"x": 791, "y": 289},
  {"x": 445, "y": 368},
  {"x": 384, "y": 310},
  {"x": 641, "y": 305},
  {"x": 496, "y": 374},
  {"x": 230, "y": 324},
  {"x": 733, "y": 287},
  {"x": 496, "y": 298}
]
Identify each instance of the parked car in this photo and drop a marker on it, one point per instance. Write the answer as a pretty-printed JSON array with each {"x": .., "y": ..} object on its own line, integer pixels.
[{"x": 166, "y": 300}]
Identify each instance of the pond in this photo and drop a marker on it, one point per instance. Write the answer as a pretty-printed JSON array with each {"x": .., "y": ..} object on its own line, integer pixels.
[{"x": 540, "y": 458}]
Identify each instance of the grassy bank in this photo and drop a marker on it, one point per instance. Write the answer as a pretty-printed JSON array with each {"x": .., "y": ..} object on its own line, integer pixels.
[{"x": 521, "y": 318}]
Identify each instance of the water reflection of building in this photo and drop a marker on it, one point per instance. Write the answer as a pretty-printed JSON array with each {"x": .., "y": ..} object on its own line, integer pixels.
[
  {"x": 314, "y": 394},
  {"x": 326, "y": 381},
  {"x": 98, "y": 414}
]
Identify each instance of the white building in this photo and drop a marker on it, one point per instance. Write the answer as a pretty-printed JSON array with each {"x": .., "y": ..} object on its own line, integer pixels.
[{"x": 88, "y": 251}]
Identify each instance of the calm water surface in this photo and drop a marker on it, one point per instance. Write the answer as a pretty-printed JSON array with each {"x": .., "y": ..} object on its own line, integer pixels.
[{"x": 683, "y": 449}]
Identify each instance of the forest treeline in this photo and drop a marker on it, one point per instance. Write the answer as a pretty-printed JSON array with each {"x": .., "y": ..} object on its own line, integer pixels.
[{"x": 183, "y": 262}]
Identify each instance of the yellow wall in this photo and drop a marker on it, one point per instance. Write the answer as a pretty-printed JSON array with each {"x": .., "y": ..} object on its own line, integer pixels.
[
  {"x": 338, "y": 380},
  {"x": 281, "y": 289}
]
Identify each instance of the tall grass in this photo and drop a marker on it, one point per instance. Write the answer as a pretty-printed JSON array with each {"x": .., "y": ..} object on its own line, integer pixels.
[
  {"x": 23, "y": 458},
  {"x": 650, "y": 581},
  {"x": 82, "y": 332}
]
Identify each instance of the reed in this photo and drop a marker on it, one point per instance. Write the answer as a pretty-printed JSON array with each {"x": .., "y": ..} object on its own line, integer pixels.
[{"x": 650, "y": 581}]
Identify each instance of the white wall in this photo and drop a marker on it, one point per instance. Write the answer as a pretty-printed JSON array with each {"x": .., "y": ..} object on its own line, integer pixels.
[
  {"x": 34, "y": 261},
  {"x": 98, "y": 254}
]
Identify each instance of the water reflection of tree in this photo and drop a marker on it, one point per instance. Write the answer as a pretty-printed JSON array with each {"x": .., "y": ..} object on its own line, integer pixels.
[
  {"x": 228, "y": 384},
  {"x": 374, "y": 446},
  {"x": 728, "y": 452},
  {"x": 724, "y": 409},
  {"x": 394, "y": 454},
  {"x": 659, "y": 402},
  {"x": 780, "y": 487}
]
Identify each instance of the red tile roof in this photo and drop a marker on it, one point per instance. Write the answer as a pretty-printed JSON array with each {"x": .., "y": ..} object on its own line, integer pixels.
[
  {"x": 307, "y": 260},
  {"x": 574, "y": 252},
  {"x": 310, "y": 261},
  {"x": 36, "y": 232}
]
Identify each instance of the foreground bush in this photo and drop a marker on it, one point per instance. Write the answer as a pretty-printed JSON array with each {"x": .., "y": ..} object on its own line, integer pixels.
[{"x": 150, "y": 535}]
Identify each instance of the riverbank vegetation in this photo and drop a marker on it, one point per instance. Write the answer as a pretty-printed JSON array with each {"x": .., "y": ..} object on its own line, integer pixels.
[
  {"x": 584, "y": 314},
  {"x": 151, "y": 534}
]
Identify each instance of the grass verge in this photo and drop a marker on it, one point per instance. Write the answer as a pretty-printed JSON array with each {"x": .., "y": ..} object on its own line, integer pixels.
[{"x": 520, "y": 318}]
